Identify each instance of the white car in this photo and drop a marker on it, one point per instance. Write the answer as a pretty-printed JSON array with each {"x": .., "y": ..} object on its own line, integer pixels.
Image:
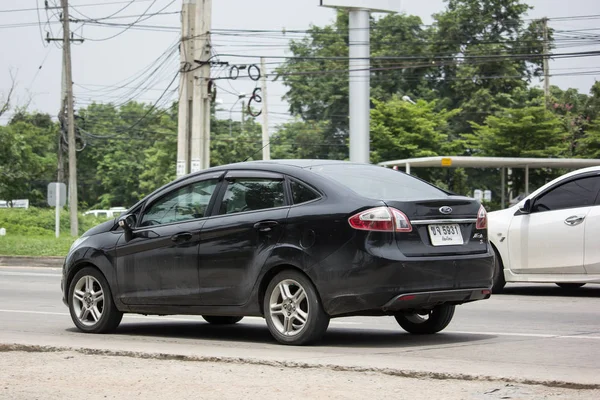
[{"x": 551, "y": 236}]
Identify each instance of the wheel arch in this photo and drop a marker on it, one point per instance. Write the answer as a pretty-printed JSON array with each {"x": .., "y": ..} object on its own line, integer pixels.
[
  {"x": 103, "y": 266},
  {"x": 271, "y": 273}
]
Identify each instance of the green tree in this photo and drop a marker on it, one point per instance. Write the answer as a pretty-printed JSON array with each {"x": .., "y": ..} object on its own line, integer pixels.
[
  {"x": 486, "y": 52},
  {"x": 300, "y": 139},
  {"x": 27, "y": 161},
  {"x": 530, "y": 131},
  {"x": 317, "y": 77},
  {"x": 402, "y": 130}
]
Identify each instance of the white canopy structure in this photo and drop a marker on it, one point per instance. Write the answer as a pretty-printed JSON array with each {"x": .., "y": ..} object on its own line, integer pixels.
[{"x": 493, "y": 162}]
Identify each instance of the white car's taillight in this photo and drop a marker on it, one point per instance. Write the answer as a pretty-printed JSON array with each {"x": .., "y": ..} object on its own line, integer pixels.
[
  {"x": 481, "y": 218},
  {"x": 383, "y": 219}
]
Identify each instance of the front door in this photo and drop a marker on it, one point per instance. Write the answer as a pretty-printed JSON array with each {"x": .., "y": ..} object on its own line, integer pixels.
[
  {"x": 236, "y": 243},
  {"x": 550, "y": 240},
  {"x": 158, "y": 264}
]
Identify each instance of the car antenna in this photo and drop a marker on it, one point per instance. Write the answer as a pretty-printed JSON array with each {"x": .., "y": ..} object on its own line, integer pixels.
[{"x": 252, "y": 155}]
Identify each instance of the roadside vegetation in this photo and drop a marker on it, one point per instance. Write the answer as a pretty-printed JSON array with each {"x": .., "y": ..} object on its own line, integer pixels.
[{"x": 30, "y": 232}]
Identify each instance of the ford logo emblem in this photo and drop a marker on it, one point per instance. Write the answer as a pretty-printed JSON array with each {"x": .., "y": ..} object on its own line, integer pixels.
[{"x": 446, "y": 210}]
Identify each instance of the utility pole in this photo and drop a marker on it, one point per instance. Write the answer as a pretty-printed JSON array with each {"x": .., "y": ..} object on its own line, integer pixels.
[
  {"x": 186, "y": 86},
  {"x": 70, "y": 120},
  {"x": 265, "y": 111},
  {"x": 546, "y": 49},
  {"x": 200, "y": 142},
  {"x": 61, "y": 118},
  {"x": 360, "y": 86}
]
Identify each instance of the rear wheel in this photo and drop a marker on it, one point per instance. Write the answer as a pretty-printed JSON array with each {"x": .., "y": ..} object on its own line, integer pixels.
[
  {"x": 91, "y": 304},
  {"x": 570, "y": 286},
  {"x": 293, "y": 309},
  {"x": 219, "y": 320},
  {"x": 427, "y": 322},
  {"x": 499, "y": 282}
]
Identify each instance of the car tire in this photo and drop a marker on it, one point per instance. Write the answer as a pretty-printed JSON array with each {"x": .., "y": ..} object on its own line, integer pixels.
[
  {"x": 498, "y": 281},
  {"x": 221, "y": 320},
  {"x": 293, "y": 309},
  {"x": 425, "y": 324},
  {"x": 570, "y": 286},
  {"x": 91, "y": 304}
]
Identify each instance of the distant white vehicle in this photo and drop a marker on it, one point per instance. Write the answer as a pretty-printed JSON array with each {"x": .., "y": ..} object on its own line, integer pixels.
[
  {"x": 550, "y": 236},
  {"x": 112, "y": 212}
]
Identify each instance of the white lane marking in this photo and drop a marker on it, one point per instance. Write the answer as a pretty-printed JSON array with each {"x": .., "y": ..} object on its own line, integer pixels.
[
  {"x": 5, "y": 273},
  {"x": 259, "y": 319},
  {"x": 33, "y": 268},
  {"x": 536, "y": 335}
]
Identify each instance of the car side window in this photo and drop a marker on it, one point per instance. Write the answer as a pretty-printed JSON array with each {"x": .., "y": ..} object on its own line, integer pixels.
[
  {"x": 250, "y": 194},
  {"x": 186, "y": 203},
  {"x": 577, "y": 193},
  {"x": 302, "y": 193}
]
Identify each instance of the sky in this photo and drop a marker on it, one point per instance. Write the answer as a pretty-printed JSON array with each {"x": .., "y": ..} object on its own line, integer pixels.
[{"x": 101, "y": 63}]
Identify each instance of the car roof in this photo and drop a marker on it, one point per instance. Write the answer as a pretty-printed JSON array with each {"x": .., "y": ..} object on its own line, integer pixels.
[
  {"x": 281, "y": 166},
  {"x": 300, "y": 163}
]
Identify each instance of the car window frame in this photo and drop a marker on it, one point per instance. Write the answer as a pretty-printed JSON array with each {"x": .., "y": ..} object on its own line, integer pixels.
[
  {"x": 594, "y": 203},
  {"x": 158, "y": 196},
  {"x": 289, "y": 179},
  {"x": 232, "y": 175}
]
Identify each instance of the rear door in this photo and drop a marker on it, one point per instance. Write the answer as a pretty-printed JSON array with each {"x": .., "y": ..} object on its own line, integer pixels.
[
  {"x": 252, "y": 210},
  {"x": 550, "y": 240}
]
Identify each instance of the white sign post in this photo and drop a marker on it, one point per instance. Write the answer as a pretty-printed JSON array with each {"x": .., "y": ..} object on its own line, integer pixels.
[{"x": 57, "y": 197}]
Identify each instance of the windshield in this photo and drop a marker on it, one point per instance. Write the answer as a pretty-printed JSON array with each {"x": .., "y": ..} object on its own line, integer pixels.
[{"x": 379, "y": 182}]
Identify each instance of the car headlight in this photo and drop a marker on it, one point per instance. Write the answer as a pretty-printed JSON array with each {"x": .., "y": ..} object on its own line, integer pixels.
[{"x": 77, "y": 242}]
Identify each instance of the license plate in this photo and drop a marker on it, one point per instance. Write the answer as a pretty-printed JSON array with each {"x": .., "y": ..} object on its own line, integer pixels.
[{"x": 445, "y": 235}]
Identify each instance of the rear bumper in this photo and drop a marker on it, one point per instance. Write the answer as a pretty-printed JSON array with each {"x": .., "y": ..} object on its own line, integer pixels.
[
  {"x": 359, "y": 282},
  {"x": 410, "y": 301}
]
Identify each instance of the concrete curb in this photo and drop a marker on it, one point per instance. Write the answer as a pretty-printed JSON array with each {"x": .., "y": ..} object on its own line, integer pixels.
[
  {"x": 5, "y": 347},
  {"x": 24, "y": 261}
]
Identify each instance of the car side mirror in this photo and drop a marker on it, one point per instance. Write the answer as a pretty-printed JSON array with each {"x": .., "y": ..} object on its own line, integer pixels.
[
  {"x": 525, "y": 207},
  {"x": 127, "y": 222}
]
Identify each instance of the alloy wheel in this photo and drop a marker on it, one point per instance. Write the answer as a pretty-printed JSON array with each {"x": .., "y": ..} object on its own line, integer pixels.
[
  {"x": 288, "y": 307},
  {"x": 88, "y": 300}
]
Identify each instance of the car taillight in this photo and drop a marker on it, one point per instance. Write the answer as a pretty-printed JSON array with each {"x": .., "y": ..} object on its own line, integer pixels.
[
  {"x": 383, "y": 219},
  {"x": 481, "y": 218}
]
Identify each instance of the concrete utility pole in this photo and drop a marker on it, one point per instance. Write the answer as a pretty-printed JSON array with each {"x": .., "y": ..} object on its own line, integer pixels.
[
  {"x": 360, "y": 65},
  {"x": 186, "y": 86},
  {"x": 200, "y": 143},
  {"x": 70, "y": 120},
  {"x": 546, "y": 49},
  {"x": 265, "y": 111},
  {"x": 360, "y": 84}
]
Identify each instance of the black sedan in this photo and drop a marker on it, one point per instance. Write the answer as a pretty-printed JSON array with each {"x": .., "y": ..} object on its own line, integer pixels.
[{"x": 296, "y": 242}]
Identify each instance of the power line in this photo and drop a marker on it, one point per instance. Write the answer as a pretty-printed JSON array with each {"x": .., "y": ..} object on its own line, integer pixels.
[{"x": 77, "y": 6}]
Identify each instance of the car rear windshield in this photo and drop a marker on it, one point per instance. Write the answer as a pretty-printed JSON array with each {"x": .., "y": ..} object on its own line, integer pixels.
[{"x": 378, "y": 182}]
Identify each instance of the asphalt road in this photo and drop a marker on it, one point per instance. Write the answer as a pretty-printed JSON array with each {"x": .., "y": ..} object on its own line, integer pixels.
[{"x": 533, "y": 332}]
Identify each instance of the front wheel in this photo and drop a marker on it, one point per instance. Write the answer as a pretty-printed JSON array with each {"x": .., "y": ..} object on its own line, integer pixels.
[
  {"x": 570, "y": 286},
  {"x": 427, "y": 322},
  {"x": 219, "y": 320},
  {"x": 293, "y": 309},
  {"x": 91, "y": 304}
]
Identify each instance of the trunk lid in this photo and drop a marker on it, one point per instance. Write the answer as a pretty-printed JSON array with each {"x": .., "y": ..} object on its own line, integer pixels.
[{"x": 441, "y": 226}]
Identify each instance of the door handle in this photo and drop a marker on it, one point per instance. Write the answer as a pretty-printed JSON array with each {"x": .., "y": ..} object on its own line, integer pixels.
[
  {"x": 182, "y": 237},
  {"x": 265, "y": 226},
  {"x": 574, "y": 220}
]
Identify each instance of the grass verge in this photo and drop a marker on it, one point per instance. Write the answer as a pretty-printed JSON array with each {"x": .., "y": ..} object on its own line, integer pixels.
[{"x": 41, "y": 246}]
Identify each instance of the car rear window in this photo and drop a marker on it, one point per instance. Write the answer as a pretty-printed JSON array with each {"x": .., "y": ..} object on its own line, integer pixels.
[
  {"x": 379, "y": 182},
  {"x": 302, "y": 193}
]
